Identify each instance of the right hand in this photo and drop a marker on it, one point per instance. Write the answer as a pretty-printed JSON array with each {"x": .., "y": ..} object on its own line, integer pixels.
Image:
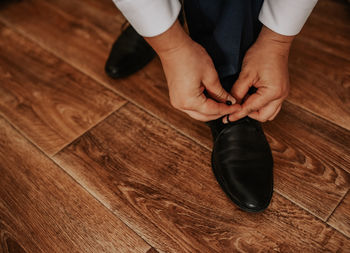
[{"x": 190, "y": 71}]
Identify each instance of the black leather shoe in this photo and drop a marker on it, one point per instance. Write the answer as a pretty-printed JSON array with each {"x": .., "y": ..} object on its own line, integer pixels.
[
  {"x": 129, "y": 54},
  {"x": 242, "y": 163}
]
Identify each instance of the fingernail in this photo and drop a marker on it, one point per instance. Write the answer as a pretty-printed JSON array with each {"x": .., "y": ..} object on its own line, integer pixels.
[
  {"x": 224, "y": 120},
  {"x": 232, "y": 101}
]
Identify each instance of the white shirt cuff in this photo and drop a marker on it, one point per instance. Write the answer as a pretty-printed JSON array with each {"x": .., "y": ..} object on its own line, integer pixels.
[
  {"x": 286, "y": 17},
  {"x": 150, "y": 17}
]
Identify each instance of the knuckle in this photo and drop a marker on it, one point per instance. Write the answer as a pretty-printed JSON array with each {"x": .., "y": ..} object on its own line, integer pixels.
[
  {"x": 221, "y": 93},
  {"x": 278, "y": 92},
  {"x": 285, "y": 93},
  {"x": 207, "y": 60},
  {"x": 250, "y": 110},
  {"x": 222, "y": 111},
  {"x": 244, "y": 75},
  {"x": 281, "y": 91}
]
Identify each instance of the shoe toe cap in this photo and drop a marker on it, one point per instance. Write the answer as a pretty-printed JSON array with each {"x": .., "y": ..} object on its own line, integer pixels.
[
  {"x": 250, "y": 195},
  {"x": 256, "y": 204},
  {"x": 112, "y": 71}
]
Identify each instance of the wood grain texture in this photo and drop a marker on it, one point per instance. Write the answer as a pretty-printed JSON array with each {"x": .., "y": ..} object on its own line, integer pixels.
[
  {"x": 311, "y": 157},
  {"x": 48, "y": 100},
  {"x": 160, "y": 183},
  {"x": 320, "y": 63},
  {"x": 42, "y": 209},
  {"x": 89, "y": 40},
  {"x": 152, "y": 250},
  {"x": 8, "y": 245},
  {"x": 147, "y": 88},
  {"x": 340, "y": 219}
]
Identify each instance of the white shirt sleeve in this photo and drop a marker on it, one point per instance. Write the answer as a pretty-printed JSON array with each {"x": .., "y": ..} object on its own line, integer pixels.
[
  {"x": 286, "y": 17},
  {"x": 153, "y": 17},
  {"x": 150, "y": 17}
]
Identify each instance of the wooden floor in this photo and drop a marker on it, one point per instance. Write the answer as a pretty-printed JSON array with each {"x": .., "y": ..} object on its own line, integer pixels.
[{"x": 91, "y": 164}]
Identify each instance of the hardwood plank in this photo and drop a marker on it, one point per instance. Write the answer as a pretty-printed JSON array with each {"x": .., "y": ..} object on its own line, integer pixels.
[
  {"x": 320, "y": 63},
  {"x": 152, "y": 250},
  {"x": 8, "y": 245},
  {"x": 42, "y": 209},
  {"x": 160, "y": 183},
  {"x": 101, "y": 14},
  {"x": 87, "y": 40},
  {"x": 153, "y": 97},
  {"x": 340, "y": 219},
  {"x": 147, "y": 89},
  {"x": 48, "y": 100},
  {"x": 330, "y": 35},
  {"x": 311, "y": 156}
]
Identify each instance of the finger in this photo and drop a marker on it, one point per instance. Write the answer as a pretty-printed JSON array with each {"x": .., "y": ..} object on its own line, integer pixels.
[
  {"x": 200, "y": 116},
  {"x": 254, "y": 103},
  {"x": 242, "y": 85},
  {"x": 275, "y": 114},
  {"x": 209, "y": 106},
  {"x": 265, "y": 112},
  {"x": 214, "y": 88}
]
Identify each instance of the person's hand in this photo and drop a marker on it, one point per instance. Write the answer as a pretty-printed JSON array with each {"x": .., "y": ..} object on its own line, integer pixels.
[
  {"x": 265, "y": 66},
  {"x": 189, "y": 72}
]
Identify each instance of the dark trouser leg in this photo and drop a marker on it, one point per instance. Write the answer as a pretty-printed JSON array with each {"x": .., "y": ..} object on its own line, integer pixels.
[{"x": 226, "y": 29}]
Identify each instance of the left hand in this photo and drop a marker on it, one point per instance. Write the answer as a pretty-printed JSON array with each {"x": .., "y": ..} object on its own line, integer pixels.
[{"x": 265, "y": 66}]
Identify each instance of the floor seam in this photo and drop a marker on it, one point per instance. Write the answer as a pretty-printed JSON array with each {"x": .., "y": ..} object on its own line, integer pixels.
[
  {"x": 111, "y": 211},
  {"x": 110, "y": 88},
  {"x": 301, "y": 207},
  {"x": 320, "y": 117},
  {"x": 23, "y": 134},
  {"x": 341, "y": 232},
  {"x": 338, "y": 204},
  {"x": 90, "y": 128},
  {"x": 77, "y": 182},
  {"x": 131, "y": 101}
]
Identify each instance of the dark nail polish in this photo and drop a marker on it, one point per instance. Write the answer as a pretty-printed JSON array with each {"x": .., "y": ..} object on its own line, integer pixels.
[{"x": 228, "y": 102}]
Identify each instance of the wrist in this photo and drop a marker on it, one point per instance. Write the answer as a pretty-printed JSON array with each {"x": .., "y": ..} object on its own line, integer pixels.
[
  {"x": 170, "y": 41},
  {"x": 278, "y": 42}
]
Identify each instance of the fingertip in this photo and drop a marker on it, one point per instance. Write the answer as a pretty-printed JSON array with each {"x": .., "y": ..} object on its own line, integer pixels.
[
  {"x": 232, "y": 118},
  {"x": 224, "y": 119},
  {"x": 238, "y": 114},
  {"x": 234, "y": 109},
  {"x": 232, "y": 100}
]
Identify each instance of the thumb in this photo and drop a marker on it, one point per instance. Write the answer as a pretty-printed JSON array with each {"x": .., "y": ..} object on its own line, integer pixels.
[
  {"x": 241, "y": 86},
  {"x": 215, "y": 90}
]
